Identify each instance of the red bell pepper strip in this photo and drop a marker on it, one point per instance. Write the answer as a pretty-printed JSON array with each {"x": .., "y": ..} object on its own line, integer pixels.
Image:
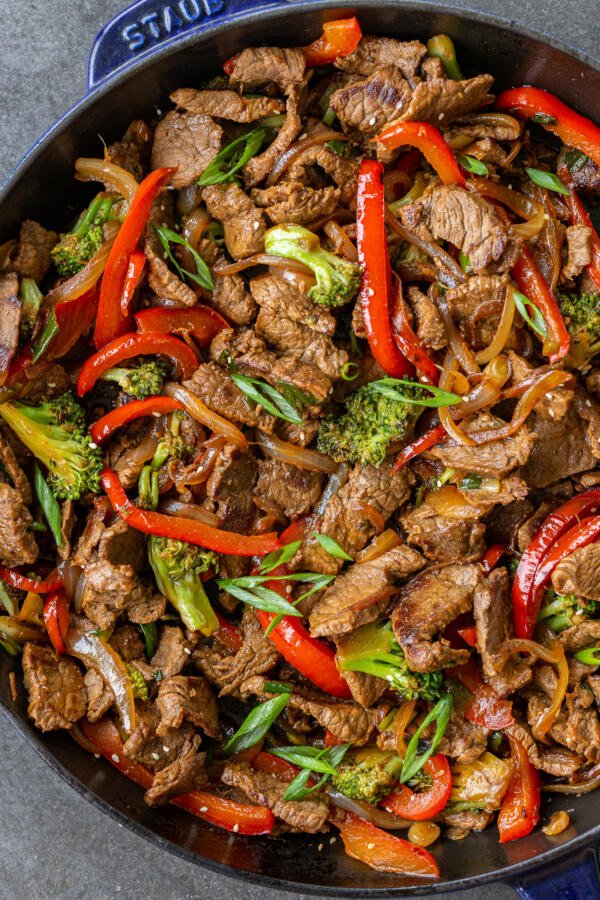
[
  {"x": 492, "y": 557},
  {"x": 580, "y": 535},
  {"x": 406, "y": 340},
  {"x": 429, "y": 140},
  {"x": 111, "y": 323},
  {"x": 420, "y": 445},
  {"x": 525, "y": 607},
  {"x": 69, "y": 319},
  {"x": 532, "y": 283},
  {"x": 228, "y": 634},
  {"x": 133, "y": 344},
  {"x": 129, "y": 412},
  {"x": 339, "y": 38},
  {"x": 486, "y": 708},
  {"x": 331, "y": 740},
  {"x": 520, "y": 810},
  {"x": 383, "y": 851},
  {"x": 428, "y": 803},
  {"x": 469, "y": 635},
  {"x": 294, "y": 532},
  {"x": 202, "y": 322},
  {"x": 578, "y": 215},
  {"x": 240, "y": 818},
  {"x": 16, "y": 580},
  {"x": 56, "y": 619},
  {"x": 273, "y": 765},
  {"x": 135, "y": 270},
  {"x": 190, "y": 530},
  {"x": 572, "y": 128},
  {"x": 376, "y": 276}
]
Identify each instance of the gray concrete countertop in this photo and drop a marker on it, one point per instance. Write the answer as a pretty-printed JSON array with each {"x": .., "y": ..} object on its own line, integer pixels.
[{"x": 54, "y": 844}]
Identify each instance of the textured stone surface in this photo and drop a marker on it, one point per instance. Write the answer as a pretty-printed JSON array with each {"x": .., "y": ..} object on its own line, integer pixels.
[{"x": 49, "y": 833}]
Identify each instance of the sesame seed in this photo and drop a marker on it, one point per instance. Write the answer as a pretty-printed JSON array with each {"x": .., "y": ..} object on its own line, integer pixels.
[
  {"x": 588, "y": 403},
  {"x": 187, "y": 650},
  {"x": 370, "y": 846},
  {"x": 320, "y": 847},
  {"x": 371, "y": 292},
  {"x": 159, "y": 112},
  {"x": 551, "y": 413},
  {"x": 96, "y": 756},
  {"x": 204, "y": 809},
  {"x": 155, "y": 756},
  {"x": 256, "y": 225},
  {"x": 441, "y": 116},
  {"x": 115, "y": 758},
  {"x": 236, "y": 827},
  {"x": 332, "y": 840},
  {"x": 93, "y": 446},
  {"x": 372, "y": 120},
  {"x": 165, "y": 748}
]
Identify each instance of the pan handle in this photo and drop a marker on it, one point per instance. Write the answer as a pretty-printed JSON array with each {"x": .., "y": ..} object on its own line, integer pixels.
[
  {"x": 147, "y": 25},
  {"x": 577, "y": 878}
]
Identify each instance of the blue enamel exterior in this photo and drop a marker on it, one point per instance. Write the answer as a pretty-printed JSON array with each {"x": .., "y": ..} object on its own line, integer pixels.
[{"x": 138, "y": 33}]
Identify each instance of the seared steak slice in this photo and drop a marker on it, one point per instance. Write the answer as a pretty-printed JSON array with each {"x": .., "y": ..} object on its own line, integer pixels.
[
  {"x": 132, "y": 152},
  {"x": 462, "y": 741},
  {"x": 127, "y": 641},
  {"x": 10, "y": 320},
  {"x": 243, "y": 223},
  {"x": 276, "y": 296},
  {"x": 430, "y": 326},
  {"x": 257, "y": 168},
  {"x": 286, "y": 489},
  {"x": 17, "y": 543},
  {"x": 226, "y": 105},
  {"x": 374, "y": 52},
  {"x": 31, "y": 258},
  {"x": 215, "y": 388},
  {"x": 342, "y": 169},
  {"x": 464, "y": 300},
  {"x": 492, "y": 607},
  {"x": 231, "y": 298},
  {"x": 369, "y": 105},
  {"x": 577, "y": 725},
  {"x": 442, "y": 101},
  {"x": 231, "y": 485},
  {"x": 585, "y": 634},
  {"x": 188, "y": 698},
  {"x": 258, "y": 66},
  {"x": 496, "y": 458},
  {"x": 579, "y": 573},
  {"x": 173, "y": 652},
  {"x": 57, "y": 697},
  {"x": 308, "y": 815},
  {"x": 293, "y": 202},
  {"x": 188, "y": 142},
  {"x": 10, "y": 464},
  {"x": 444, "y": 539},
  {"x": 361, "y": 594},
  {"x": 552, "y": 759},
  {"x": 100, "y": 697},
  {"x": 424, "y": 607},
  {"x": 155, "y": 751},
  {"x": 586, "y": 178},
  {"x": 579, "y": 251},
  {"x": 183, "y": 775}
]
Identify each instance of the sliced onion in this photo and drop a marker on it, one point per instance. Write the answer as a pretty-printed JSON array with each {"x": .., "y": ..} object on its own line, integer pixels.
[
  {"x": 497, "y": 370},
  {"x": 78, "y": 595},
  {"x": 195, "y": 226},
  {"x": 111, "y": 175},
  {"x": 590, "y": 782},
  {"x": 393, "y": 179},
  {"x": 553, "y": 653},
  {"x": 189, "y": 198},
  {"x": 402, "y": 720},
  {"x": 379, "y": 817},
  {"x": 87, "y": 277},
  {"x": 299, "y": 147},
  {"x": 385, "y": 541},
  {"x": 449, "y": 266},
  {"x": 92, "y": 650},
  {"x": 483, "y": 395},
  {"x": 189, "y": 511},
  {"x": 499, "y": 340},
  {"x": 19, "y": 631},
  {"x": 462, "y": 352},
  {"x": 298, "y": 280},
  {"x": 526, "y": 230},
  {"x": 262, "y": 259},
  {"x": 445, "y": 383},
  {"x": 295, "y": 456},
  {"x": 343, "y": 246},
  {"x": 336, "y": 480},
  {"x": 521, "y": 204},
  {"x": 369, "y": 512},
  {"x": 71, "y": 576},
  {"x": 523, "y": 408},
  {"x": 200, "y": 411}
]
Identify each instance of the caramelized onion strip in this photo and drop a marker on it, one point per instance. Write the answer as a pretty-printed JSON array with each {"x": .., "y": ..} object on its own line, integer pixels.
[
  {"x": 298, "y": 148},
  {"x": 201, "y": 413},
  {"x": 294, "y": 455},
  {"x": 502, "y": 332},
  {"x": 115, "y": 177}
]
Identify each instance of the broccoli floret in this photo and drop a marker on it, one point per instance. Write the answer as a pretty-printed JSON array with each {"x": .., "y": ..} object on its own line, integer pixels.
[
  {"x": 338, "y": 280},
  {"x": 56, "y": 434},
  {"x": 564, "y": 610},
  {"x": 368, "y": 775},
  {"x": 144, "y": 380},
  {"x": 76, "y": 248},
  {"x": 177, "y": 568},
  {"x": 370, "y": 422},
  {"x": 138, "y": 685},
  {"x": 581, "y": 313},
  {"x": 374, "y": 650}
]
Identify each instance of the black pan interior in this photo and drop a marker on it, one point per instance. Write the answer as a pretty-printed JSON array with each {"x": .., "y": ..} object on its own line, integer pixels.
[{"x": 43, "y": 188}]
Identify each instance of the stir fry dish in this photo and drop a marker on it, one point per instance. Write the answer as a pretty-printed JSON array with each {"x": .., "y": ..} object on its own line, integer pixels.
[{"x": 299, "y": 443}]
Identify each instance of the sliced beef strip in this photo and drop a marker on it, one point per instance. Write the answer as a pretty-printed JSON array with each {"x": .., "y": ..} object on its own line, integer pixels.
[
  {"x": 68, "y": 520},
  {"x": 231, "y": 485},
  {"x": 187, "y": 773},
  {"x": 188, "y": 142},
  {"x": 566, "y": 446},
  {"x": 585, "y": 634},
  {"x": 452, "y": 213},
  {"x": 296, "y": 203},
  {"x": 495, "y": 459},
  {"x": 285, "y": 322},
  {"x": 17, "y": 543},
  {"x": 215, "y": 388},
  {"x": 286, "y": 489},
  {"x": 127, "y": 641},
  {"x": 441, "y": 102},
  {"x": 132, "y": 152},
  {"x": 579, "y": 251},
  {"x": 477, "y": 129},
  {"x": 10, "y": 320},
  {"x": 231, "y": 298},
  {"x": 530, "y": 527},
  {"x": 308, "y": 815},
  {"x": 469, "y": 819},
  {"x": 361, "y": 593},
  {"x": 32, "y": 256},
  {"x": 174, "y": 652},
  {"x": 57, "y": 696},
  {"x": 16, "y": 475},
  {"x": 100, "y": 697},
  {"x": 430, "y": 326},
  {"x": 423, "y": 609},
  {"x": 345, "y": 719},
  {"x": 252, "y": 358},
  {"x": 443, "y": 539},
  {"x": 342, "y": 169},
  {"x": 492, "y": 607},
  {"x": 345, "y": 519},
  {"x": 464, "y": 300},
  {"x": 365, "y": 689},
  {"x": 256, "y": 656},
  {"x": 550, "y": 758},
  {"x": 188, "y": 698},
  {"x": 586, "y": 178},
  {"x": 258, "y": 66},
  {"x": 227, "y": 105},
  {"x": 243, "y": 224},
  {"x": 165, "y": 283},
  {"x": 257, "y": 168},
  {"x": 131, "y": 449},
  {"x": 577, "y": 725},
  {"x": 374, "y": 52},
  {"x": 462, "y": 741},
  {"x": 370, "y": 104},
  {"x": 579, "y": 573}
]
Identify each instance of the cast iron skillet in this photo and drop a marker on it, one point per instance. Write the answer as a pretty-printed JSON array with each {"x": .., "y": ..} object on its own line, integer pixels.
[{"x": 139, "y": 57}]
